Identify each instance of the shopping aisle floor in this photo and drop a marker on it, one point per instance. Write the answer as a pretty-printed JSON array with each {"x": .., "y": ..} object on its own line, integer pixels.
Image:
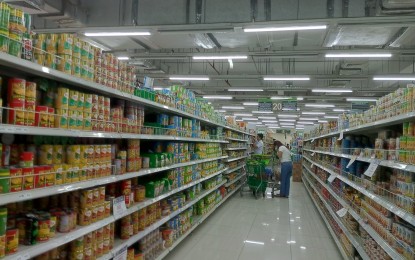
[{"x": 244, "y": 228}]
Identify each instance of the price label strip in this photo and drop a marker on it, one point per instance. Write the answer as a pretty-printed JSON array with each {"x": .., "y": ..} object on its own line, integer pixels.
[
  {"x": 354, "y": 157},
  {"x": 121, "y": 254},
  {"x": 341, "y": 212},
  {"x": 372, "y": 168},
  {"x": 331, "y": 178},
  {"x": 341, "y": 136},
  {"x": 119, "y": 209}
]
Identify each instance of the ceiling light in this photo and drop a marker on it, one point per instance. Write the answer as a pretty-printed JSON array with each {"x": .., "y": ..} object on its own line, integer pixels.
[
  {"x": 241, "y": 114},
  {"x": 402, "y": 78},
  {"x": 286, "y": 28},
  {"x": 299, "y": 125},
  {"x": 250, "y": 103},
  {"x": 286, "y": 78},
  {"x": 233, "y": 107},
  {"x": 210, "y": 103},
  {"x": 358, "y": 55},
  {"x": 313, "y": 113},
  {"x": 331, "y": 90},
  {"x": 239, "y": 120},
  {"x": 269, "y": 121},
  {"x": 123, "y": 58},
  {"x": 287, "y": 115},
  {"x": 274, "y": 127},
  {"x": 280, "y": 98},
  {"x": 217, "y": 97},
  {"x": 331, "y": 117},
  {"x": 246, "y": 89},
  {"x": 362, "y": 99},
  {"x": 289, "y": 109},
  {"x": 341, "y": 110},
  {"x": 262, "y": 112},
  {"x": 286, "y": 123},
  {"x": 322, "y": 121},
  {"x": 299, "y": 128},
  {"x": 305, "y": 123},
  {"x": 309, "y": 118},
  {"x": 92, "y": 34},
  {"x": 300, "y": 98},
  {"x": 249, "y": 119},
  {"x": 188, "y": 78},
  {"x": 267, "y": 117},
  {"x": 268, "y": 124},
  {"x": 319, "y": 105},
  {"x": 287, "y": 120},
  {"x": 220, "y": 111},
  {"x": 158, "y": 88},
  {"x": 231, "y": 57}
]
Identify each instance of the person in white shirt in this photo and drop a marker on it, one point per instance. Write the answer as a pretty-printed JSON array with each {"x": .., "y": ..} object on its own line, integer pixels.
[
  {"x": 259, "y": 144},
  {"x": 286, "y": 168}
]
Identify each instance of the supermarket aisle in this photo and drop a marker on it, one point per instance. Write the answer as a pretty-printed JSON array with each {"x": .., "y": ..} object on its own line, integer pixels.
[{"x": 245, "y": 228}]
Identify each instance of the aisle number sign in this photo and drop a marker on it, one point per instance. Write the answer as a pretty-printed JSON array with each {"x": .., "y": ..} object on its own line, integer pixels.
[{"x": 286, "y": 105}]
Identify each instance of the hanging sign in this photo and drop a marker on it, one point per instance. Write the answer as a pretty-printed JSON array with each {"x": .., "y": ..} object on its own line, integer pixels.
[
  {"x": 354, "y": 157},
  {"x": 286, "y": 105},
  {"x": 331, "y": 178},
  {"x": 372, "y": 168},
  {"x": 342, "y": 212},
  {"x": 360, "y": 106},
  {"x": 265, "y": 105}
]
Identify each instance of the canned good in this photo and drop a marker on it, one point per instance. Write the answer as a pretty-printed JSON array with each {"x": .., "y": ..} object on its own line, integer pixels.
[
  {"x": 65, "y": 43},
  {"x": 50, "y": 60},
  {"x": 61, "y": 118},
  {"x": 64, "y": 63},
  {"x": 12, "y": 241},
  {"x": 16, "y": 181},
  {"x": 28, "y": 178},
  {"x": 46, "y": 154}
]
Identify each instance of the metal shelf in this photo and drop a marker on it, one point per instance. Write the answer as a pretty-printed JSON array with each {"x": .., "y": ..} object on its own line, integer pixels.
[
  {"x": 379, "y": 240},
  {"x": 31, "y": 130},
  {"x": 235, "y": 169},
  {"x": 39, "y": 70},
  {"x": 234, "y": 180},
  {"x": 238, "y": 140},
  {"x": 385, "y": 163},
  {"x": 380, "y": 123},
  {"x": 45, "y": 192},
  {"x": 235, "y": 149},
  {"x": 119, "y": 244},
  {"x": 235, "y": 159},
  {"x": 333, "y": 234},
  {"x": 197, "y": 222},
  {"x": 408, "y": 217}
]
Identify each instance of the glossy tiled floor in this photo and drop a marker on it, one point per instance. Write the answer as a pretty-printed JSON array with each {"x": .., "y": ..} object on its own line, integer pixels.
[{"x": 244, "y": 228}]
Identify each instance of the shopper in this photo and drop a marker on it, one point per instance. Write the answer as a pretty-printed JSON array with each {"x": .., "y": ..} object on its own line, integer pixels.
[
  {"x": 259, "y": 144},
  {"x": 286, "y": 168}
]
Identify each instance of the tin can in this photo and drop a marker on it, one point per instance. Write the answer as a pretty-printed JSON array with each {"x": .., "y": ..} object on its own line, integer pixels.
[
  {"x": 64, "y": 63},
  {"x": 16, "y": 90},
  {"x": 65, "y": 43},
  {"x": 50, "y": 60},
  {"x": 50, "y": 175},
  {"x": 27, "y": 49},
  {"x": 4, "y": 43},
  {"x": 51, "y": 116},
  {"x": 4, "y": 187},
  {"x": 46, "y": 154},
  {"x": 12, "y": 241},
  {"x": 40, "y": 179},
  {"x": 76, "y": 67},
  {"x": 28, "y": 178},
  {"x": 16, "y": 181},
  {"x": 85, "y": 50},
  {"x": 58, "y": 170},
  {"x": 39, "y": 58},
  {"x": 72, "y": 119},
  {"x": 61, "y": 118},
  {"x": 41, "y": 116},
  {"x": 73, "y": 99},
  {"x": 62, "y": 98},
  {"x": 15, "y": 48},
  {"x": 44, "y": 228},
  {"x": 76, "y": 48}
]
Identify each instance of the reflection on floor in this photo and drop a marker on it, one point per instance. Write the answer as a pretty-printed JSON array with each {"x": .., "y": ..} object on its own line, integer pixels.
[{"x": 245, "y": 228}]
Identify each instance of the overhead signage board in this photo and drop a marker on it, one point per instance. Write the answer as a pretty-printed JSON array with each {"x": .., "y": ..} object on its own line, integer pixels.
[
  {"x": 360, "y": 106},
  {"x": 265, "y": 104},
  {"x": 286, "y": 105}
]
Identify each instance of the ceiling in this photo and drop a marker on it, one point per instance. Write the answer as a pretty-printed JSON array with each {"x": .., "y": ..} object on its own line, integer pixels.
[{"x": 181, "y": 29}]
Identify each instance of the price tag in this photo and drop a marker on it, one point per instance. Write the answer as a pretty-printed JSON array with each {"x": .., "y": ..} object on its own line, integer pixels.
[
  {"x": 313, "y": 154},
  {"x": 312, "y": 165},
  {"x": 341, "y": 136},
  {"x": 121, "y": 254},
  {"x": 354, "y": 157},
  {"x": 118, "y": 207},
  {"x": 331, "y": 178},
  {"x": 312, "y": 140},
  {"x": 372, "y": 168},
  {"x": 342, "y": 212}
]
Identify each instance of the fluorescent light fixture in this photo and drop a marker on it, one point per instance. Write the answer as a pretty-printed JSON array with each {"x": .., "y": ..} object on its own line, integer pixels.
[
  {"x": 358, "y": 55},
  {"x": 239, "y": 120},
  {"x": 220, "y": 111},
  {"x": 259, "y": 124},
  {"x": 287, "y": 115},
  {"x": 398, "y": 78},
  {"x": 299, "y": 128},
  {"x": 250, "y": 103},
  {"x": 286, "y": 123},
  {"x": 287, "y": 120},
  {"x": 267, "y": 117},
  {"x": 233, "y": 107},
  {"x": 274, "y": 127},
  {"x": 210, "y": 103},
  {"x": 272, "y": 124},
  {"x": 123, "y": 58},
  {"x": 246, "y": 89},
  {"x": 286, "y": 78},
  {"x": 299, "y": 125},
  {"x": 362, "y": 99},
  {"x": 158, "y": 88},
  {"x": 229, "y": 57},
  {"x": 249, "y": 119},
  {"x": 331, "y": 90},
  {"x": 269, "y": 121},
  {"x": 97, "y": 34},
  {"x": 262, "y": 112},
  {"x": 188, "y": 78},
  {"x": 300, "y": 98},
  {"x": 242, "y": 114},
  {"x": 289, "y": 109},
  {"x": 313, "y": 113},
  {"x": 340, "y": 110},
  {"x": 309, "y": 118},
  {"x": 319, "y": 105},
  {"x": 331, "y": 117},
  {"x": 217, "y": 97},
  {"x": 286, "y": 28},
  {"x": 279, "y": 98},
  {"x": 305, "y": 123},
  {"x": 322, "y": 121}
]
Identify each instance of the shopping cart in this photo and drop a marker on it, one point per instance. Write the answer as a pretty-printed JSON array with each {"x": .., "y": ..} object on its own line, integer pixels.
[{"x": 257, "y": 180}]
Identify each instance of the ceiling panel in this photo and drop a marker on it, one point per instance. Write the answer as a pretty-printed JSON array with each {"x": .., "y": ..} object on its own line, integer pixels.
[
  {"x": 363, "y": 35},
  {"x": 118, "y": 42}
]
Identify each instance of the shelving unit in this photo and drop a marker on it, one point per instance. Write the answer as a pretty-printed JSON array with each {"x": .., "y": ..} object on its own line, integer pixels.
[{"x": 324, "y": 165}]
